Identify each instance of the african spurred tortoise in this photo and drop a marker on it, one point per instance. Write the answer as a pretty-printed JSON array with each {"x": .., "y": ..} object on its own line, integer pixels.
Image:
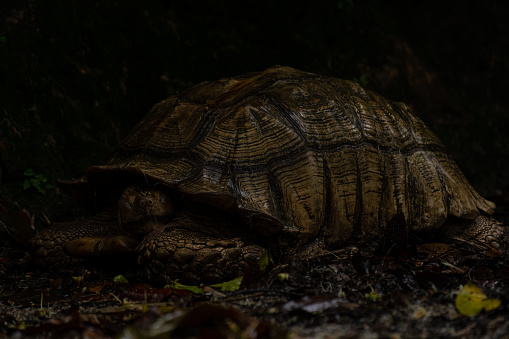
[{"x": 282, "y": 161}]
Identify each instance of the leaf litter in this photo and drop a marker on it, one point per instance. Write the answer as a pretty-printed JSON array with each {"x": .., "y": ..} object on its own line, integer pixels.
[{"x": 411, "y": 293}]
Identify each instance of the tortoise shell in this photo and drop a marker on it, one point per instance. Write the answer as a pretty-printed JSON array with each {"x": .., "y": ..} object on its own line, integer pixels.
[{"x": 297, "y": 152}]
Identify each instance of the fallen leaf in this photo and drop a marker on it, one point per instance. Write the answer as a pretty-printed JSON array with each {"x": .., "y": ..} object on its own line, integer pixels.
[
  {"x": 120, "y": 279},
  {"x": 263, "y": 263},
  {"x": 283, "y": 276},
  {"x": 97, "y": 289},
  {"x": 175, "y": 285},
  {"x": 434, "y": 249},
  {"x": 470, "y": 301},
  {"x": 232, "y": 285}
]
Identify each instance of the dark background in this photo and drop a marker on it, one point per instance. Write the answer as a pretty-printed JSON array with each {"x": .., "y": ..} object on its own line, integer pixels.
[{"x": 75, "y": 76}]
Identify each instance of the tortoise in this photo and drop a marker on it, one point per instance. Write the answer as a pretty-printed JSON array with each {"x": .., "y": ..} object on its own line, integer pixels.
[{"x": 280, "y": 162}]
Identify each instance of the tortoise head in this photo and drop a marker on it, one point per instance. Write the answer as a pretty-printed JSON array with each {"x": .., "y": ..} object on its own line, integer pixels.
[{"x": 141, "y": 209}]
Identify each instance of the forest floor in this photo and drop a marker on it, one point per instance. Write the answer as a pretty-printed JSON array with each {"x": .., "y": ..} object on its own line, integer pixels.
[{"x": 413, "y": 293}]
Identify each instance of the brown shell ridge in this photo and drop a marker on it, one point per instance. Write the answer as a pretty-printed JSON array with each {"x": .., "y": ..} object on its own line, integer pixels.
[
  {"x": 288, "y": 158},
  {"x": 162, "y": 153}
]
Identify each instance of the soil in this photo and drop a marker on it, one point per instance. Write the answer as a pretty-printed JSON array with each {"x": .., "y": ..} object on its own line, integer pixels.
[{"x": 348, "y": 294}]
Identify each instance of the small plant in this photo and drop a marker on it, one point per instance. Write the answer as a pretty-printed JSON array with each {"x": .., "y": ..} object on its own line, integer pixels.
[{"x": 37, "y": 181}]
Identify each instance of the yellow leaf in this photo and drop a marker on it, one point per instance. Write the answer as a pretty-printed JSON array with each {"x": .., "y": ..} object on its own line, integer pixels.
[
  {"x": 470, "y": 301},
  {"x": 232, "y": 285},
  {"x": 283, "y": 276}
]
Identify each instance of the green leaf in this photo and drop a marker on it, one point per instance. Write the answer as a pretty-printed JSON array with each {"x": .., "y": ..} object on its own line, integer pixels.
[
  {"x": 264, "y": 261},
  {"x": 37, "y": 181},
  {"x": 232, "y": 285},
  {"x": 120, "y": 279},
  {"x": 177, "y": 286}
]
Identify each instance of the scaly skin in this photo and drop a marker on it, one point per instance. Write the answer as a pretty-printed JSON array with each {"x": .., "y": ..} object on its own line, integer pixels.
[
  {"x": 170, "y": 252},
  {"x": 49, "y": 244},
  {"x": 479, "y": 233},
  {"x": 189, "y": 248},
  {"x": 175, "y": 251}
]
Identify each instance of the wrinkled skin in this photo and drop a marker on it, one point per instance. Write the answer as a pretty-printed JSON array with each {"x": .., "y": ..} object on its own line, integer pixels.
[{"x": 170, "y": 244}]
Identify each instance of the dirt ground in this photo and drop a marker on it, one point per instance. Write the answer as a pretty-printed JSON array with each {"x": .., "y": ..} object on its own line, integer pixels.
[{"x": 349, "y": 294}]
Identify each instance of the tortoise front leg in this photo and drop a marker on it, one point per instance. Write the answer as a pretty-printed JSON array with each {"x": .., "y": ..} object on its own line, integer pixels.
[
  {"x": 174, "y": 253},
  {"x": 49, "y": 244}
]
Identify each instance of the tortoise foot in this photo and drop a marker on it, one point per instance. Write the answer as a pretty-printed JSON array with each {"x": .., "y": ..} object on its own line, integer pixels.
[
  {"x": 191, "y": 258},
  {"x": 482, "y": 233},
  {"x": 50, "y": 244},
  {"x": 48, "y": 248}
]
